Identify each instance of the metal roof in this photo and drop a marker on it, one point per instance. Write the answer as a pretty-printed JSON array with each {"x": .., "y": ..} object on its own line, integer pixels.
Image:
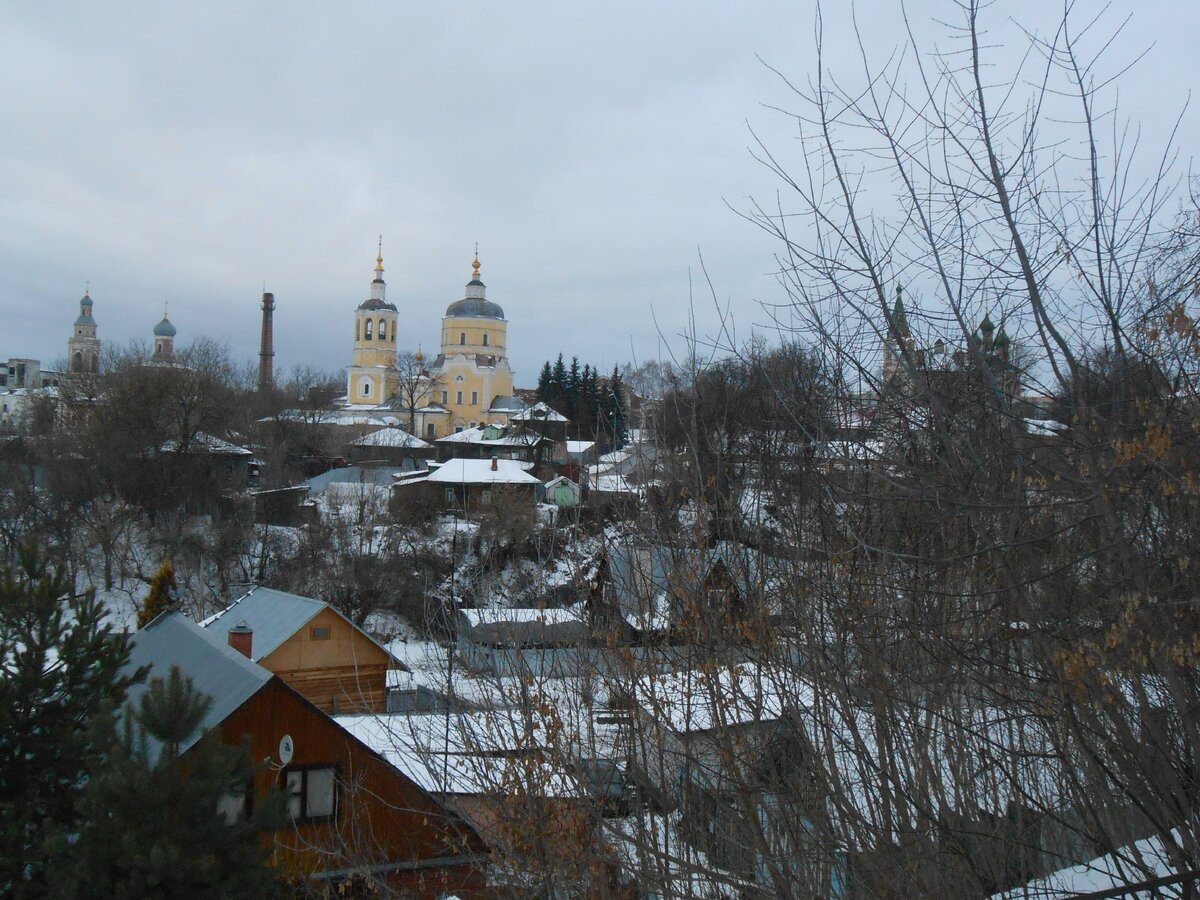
[
  {"x": 215, "y": 669},
  {"x": 274, "y": 616}
]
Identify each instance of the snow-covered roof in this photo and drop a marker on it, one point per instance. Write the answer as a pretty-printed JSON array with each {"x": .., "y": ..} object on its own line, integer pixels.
[
  {"x": 577, "y": 447},
  {"x": 539, "y": 412},
  {"x": 206, "y": 443},
  {"x": 479, "y": 471},
  {"x": 1145, "y": 860},
  {"x": 497, "y": 752},
  {"x": 466, "y": 436},
  {"x": 702, "y": 699},
  {"x": 336, "y": 417},
  {"x": 477, "y": 617},
  {"x": 391, "y": 437}
]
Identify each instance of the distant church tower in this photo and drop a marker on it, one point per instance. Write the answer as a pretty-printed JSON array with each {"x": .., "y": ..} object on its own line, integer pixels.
[
  {"x": 266, "y": 345},
  {"x": 164, "y": 340},
  {"x": 372, "y": 378},
  {"x": 472, "y": 368},
  {"x": 83, "y": 347}
]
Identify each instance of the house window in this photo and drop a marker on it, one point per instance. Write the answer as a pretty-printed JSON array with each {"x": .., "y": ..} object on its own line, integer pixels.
[
  {"x": 485, "y": 340},
  {"x": 462, "y": 339},
  {"x": 367, "y": 329},
  {"x": 485, "y": 497},
  {"x": 474, "y": 398},
  {"x": 450, "y": 496},
  {"x": 311, "y": 793},
  {"x": 445, "y": 398},
  {"x": 319, "y": 633},
  {"x": 236, "y": 806},
  {"x": 383, "y": 329},
  {"x": 458, "y": 396}
]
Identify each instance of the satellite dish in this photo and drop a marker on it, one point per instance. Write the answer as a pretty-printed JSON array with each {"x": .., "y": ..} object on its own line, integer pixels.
[{"x": 286, "y": 749}]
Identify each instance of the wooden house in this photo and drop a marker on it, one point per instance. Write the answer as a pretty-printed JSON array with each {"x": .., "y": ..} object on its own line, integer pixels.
[
  {"x": 314, "y": 648},
  {"x": 468, "y": 485},
  {"x": 349, "y": 812}
]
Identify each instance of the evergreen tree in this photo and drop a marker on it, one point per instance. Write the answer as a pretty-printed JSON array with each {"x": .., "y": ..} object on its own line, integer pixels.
[
  {"x": 545, "y": 383},
  {"x": 60, "y": 669},
  {"x": 161, "y": 595},
  {"x": 157, "y": 825},
  {"x": 571, "y": 390},
  {"x": 614, "y": 409},
  {"x": 558, "y": 379}
]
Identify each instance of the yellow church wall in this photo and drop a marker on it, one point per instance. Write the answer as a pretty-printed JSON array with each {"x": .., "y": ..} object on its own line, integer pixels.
[{"x": 474, "y": 329}]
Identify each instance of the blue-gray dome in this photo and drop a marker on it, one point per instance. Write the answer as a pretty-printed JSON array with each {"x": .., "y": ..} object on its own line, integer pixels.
[
  {"x": 474, "y": 305},
  {"x": 376, "y": 303},
  {"x": 85, "y": 312},
  {"x": 164, "y": 328}
]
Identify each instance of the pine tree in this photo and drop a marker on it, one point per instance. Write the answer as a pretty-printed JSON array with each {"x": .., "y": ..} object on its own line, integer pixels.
[
  {"x": 161, "y": 595},
  {"x": 571, "y": 390},
  {"x": 545, "y": 383},
  {"x": 152, "y": 820},
  {"x": 616, "y": 409},
  {"x": 558, "y": 379},
  {"x": 60, "y": 669}
]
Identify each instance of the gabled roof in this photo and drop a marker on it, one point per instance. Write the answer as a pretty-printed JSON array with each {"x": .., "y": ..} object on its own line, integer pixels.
[
  {"x": 391, "y": 437},
  {"x": 216, "y": 669},
  {"x": 466, "y": 436},
  {"x": 206, "y": 443},
  {"x": 479, "y": 471},
  {"x": 274, "y": 616},
  {"x": 540, "y": 412}
]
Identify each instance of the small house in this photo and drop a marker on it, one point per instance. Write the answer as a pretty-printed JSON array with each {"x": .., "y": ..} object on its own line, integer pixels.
[
  {"x": 563, "y": 492},
  {"x": 349, "y": 812},
  {"x": 541, "y": 642},
  {"x": 328, "y": 659},
  {"x": 470, "y": 484}
]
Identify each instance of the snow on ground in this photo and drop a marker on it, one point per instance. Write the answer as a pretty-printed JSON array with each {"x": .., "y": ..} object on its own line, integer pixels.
[
  {"x": 649, "y": 844},
  {"x": 1142, "y": 861}
]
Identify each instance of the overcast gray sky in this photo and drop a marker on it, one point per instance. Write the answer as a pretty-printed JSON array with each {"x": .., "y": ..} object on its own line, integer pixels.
[{"x": 188, "y": 152}]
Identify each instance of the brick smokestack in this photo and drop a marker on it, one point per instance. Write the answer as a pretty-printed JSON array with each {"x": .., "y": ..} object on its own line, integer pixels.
[
  {"x": 266, "y": 346},
  {"x": 241, "y": 639}
]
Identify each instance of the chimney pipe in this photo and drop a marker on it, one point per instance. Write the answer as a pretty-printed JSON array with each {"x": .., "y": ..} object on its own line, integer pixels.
[
  {"x": 241, "y": 639},
  {"x": 266, "y": 347},
  {"x": 495, "y": 465}
]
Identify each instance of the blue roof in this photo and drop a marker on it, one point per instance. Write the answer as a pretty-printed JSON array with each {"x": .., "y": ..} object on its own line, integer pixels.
[
  {"x": 215, "y": 669},
  {"x": 164, "y": 328}
]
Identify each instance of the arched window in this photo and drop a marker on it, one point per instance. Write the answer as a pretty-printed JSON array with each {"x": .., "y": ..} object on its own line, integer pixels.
[
  {"x": 367, "y": 329},
  {"x": 462, "y": 339},
  {"x": 94, "y": 365},
  {"x": 356, "y": 331},
  {"x": 485, "y": 342},
  {"x": 77, "y": 362},
  {"x": 383, "y": 329},
  {"x": 366, "y": 388}
]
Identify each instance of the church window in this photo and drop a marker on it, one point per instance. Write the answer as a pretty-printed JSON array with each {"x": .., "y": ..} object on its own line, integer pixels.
[
  {"x": 431, "y": 430},
  {"x": 356, "y": 329},
  {"x": 462, "y": 339},
  {"x": 366, "y": 388},
  {"x": 367, "y": 329},
  {"x": 383, "y": 329},
  {"x": 485, "y": 340},
  {"x": 77, "y": 362},
  {"x": 445, "y": 398},
  {"x": 474, "y": 398},
  {"x": 458, "y": 397}
]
